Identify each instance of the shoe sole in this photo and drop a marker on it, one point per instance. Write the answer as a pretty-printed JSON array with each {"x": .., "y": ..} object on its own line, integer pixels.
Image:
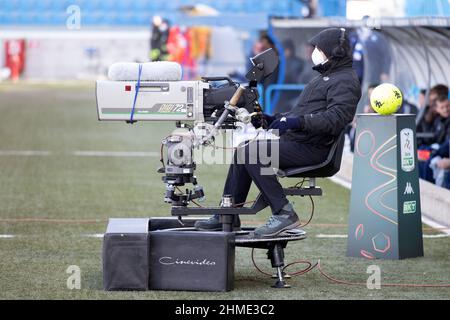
[
  {"x": 217, "y": 229},
  {"x": 271, "y": 235}
]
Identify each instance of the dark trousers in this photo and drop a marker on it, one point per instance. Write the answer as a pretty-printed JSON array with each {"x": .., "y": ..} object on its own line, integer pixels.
[{"x": 247, "y": 165}]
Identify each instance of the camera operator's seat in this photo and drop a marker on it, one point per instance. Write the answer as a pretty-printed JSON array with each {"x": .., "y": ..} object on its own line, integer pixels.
[
  {"x": 276, "y": 246},
  {"x": 327, "y": 168}
]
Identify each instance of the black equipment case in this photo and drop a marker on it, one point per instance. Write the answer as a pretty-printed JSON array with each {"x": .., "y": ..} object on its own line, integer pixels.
[{"x": 155, "y": 254}]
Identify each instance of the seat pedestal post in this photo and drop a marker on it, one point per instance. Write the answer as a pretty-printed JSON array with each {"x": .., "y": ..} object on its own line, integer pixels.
[
  {"x": 227, "y": 222},
  {"x": 276, "y": 256}
]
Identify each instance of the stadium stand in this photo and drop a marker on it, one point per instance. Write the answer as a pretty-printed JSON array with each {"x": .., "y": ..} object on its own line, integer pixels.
[{"x": 138, "y": 12}]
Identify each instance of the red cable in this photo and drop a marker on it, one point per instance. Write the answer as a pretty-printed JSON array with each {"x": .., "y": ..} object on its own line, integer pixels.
[
  {"x": 303, "y": 271},
  {"x": 344, "y": 282},
  {"x": 243, "y": 203},
  {"x": 312, "y": 213},
  {"x": 255, "y": 265},
  {"x": 413, "y": 285}
]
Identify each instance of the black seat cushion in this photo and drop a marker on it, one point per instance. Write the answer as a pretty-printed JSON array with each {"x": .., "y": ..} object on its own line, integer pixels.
[{"x": 328, "y": 168}]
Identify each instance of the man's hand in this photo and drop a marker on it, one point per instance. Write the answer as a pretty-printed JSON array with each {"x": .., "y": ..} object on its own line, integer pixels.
[
  {"x": 443, "y": 163},
  {"x": 285, "y": 123},
  {"x": 258, "y": 120}
]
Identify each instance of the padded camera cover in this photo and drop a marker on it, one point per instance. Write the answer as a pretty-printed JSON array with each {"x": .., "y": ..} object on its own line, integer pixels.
[{"x": 151, "y": 71}]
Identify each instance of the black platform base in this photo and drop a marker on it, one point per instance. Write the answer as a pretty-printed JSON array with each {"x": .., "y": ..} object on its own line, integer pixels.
[{"x": 168, "y": 254}]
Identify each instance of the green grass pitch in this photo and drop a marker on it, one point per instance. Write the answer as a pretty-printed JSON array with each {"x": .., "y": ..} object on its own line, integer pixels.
[{"x": 89, "y": 190}]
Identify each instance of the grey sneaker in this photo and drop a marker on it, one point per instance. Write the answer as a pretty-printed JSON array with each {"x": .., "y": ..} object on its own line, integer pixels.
[
  {"x": 276, "y": 224},
  {"x": 213, "y": 224}
]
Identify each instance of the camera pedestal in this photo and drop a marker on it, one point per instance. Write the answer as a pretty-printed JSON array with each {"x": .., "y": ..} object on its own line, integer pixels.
[{"x": 166, "y": 254}]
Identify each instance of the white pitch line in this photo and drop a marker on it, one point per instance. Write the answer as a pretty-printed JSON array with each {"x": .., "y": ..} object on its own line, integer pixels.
[
  {"x": 80, "y": 153},
  {"x": 7, "y": 236},
  {"x": 93, "y": 235},
  {"x": 26, "y": 153},
  {"x": 425, "y": 219},
  {"x": 441, "y": 235},
  {"x": 320, "y": 235},
  {"x": 435, "y": 225},
  {"x": 344, "y": 236},
  {"x": 114, "y": 154},
  {"x": 341, "y": 182}
]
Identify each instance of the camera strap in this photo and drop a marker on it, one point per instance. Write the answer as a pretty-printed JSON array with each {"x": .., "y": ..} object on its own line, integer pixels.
[{"x": 138, "y": 85}]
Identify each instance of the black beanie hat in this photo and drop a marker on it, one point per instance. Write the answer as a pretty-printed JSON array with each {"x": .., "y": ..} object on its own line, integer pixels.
[{"x": 328, "y": 40}]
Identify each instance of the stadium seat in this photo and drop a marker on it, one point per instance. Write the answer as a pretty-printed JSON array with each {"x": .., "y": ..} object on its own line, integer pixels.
[
  {"x": 253, "y": 6},
  {"x": 58, "y": 18},
  {"x": 31, "y": 5},
  {"x": 325, "y": 169},
  {"x": 91, "y": 18},
  {"x": 110, "y": 18},
  {"x": 43, "y": 18},
  {"x": 28, "y": 18},
  {"x": 9, "y": 5},
  {"x": 5, "y": 18},
  {"x": 91, "y": 6},
  {"x": 42, "y": 5},
  {"x": 142, "y": 19},
  {"x": 87, "y": 18},
  {"x": 157, "y": 5},
  {"x": 267, "y": 6},
  {"x": 282, "y": 8},
  {"x": 60, "y": 6},
  {"x": 175, "y": 5},
  {"x": 123, "y": 6},
  {"x": 125, "y": 17},
  {"x": 237, "y": 6},
  {"x": 107, "y": 5},
  {"x": 137, "y": 11},
  {"x": 13, "y": 17},
  {"x": 221, "y": 5},
  {"x": 140, "y": 5}
]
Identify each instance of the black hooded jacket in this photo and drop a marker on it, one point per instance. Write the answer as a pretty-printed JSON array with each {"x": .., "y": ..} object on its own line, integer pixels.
[{"x": 327, "y": 104}]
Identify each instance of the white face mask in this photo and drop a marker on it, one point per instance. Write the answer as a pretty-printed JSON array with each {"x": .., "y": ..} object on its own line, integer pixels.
[{"x": 318, "y": 57}]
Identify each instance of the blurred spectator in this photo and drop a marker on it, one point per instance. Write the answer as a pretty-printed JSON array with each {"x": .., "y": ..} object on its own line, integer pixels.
[
  {"x": 265, "y": 42},
  {"x": 368, "y": 108},
  {"x": 421, "y": 102},
  {"x": 435, "y": 122},
  {"x": 310, "y": 8},
  {"x": 377, "y": 51},
  {"x": 294, "y": 67},
  {"x": 408, "y": 108},
  {"x": 158, "y": 40},
  {"x": 351, "y": 129},
  {"x": 427, "y": 116},
  {"x": 442, "y": 122},
  {"x": 358, "y": 55},
  {"x": 439, "y": 166}
]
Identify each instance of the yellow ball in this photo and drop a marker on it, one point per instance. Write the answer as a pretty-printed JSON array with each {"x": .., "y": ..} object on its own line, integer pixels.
[{"x": 386, "y": 99}]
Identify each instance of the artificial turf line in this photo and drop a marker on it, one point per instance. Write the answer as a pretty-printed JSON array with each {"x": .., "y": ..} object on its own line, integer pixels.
[{"x": 25, "y": 153}]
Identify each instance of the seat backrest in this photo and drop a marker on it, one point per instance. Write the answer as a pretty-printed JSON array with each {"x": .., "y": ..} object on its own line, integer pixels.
[{"x": 327, "y": 168}]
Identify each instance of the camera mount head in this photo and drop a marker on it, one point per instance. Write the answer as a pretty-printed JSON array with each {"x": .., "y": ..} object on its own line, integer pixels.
[{"x": 264, "y": 64}]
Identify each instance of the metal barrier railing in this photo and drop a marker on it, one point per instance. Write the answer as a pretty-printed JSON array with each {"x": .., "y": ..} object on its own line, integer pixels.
[{"x": 268, "y": 108}]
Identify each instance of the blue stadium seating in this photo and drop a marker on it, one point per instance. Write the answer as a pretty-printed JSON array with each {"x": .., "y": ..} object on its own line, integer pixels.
[{"x": 128, "y": 12}]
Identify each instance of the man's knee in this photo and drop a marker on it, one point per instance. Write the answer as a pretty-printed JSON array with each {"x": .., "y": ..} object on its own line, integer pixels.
[{"x": 260, "y": 152}]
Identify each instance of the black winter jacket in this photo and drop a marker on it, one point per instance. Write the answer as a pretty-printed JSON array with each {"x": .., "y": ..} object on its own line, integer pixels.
[{"x": 326, "y": 105}]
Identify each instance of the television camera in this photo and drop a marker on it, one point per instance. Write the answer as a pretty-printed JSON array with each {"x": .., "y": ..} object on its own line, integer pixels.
[{"x": 202, "y": 108}]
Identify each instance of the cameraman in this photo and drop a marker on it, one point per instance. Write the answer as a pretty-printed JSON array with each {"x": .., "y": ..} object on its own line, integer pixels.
[{"x": 325, "y": 107}]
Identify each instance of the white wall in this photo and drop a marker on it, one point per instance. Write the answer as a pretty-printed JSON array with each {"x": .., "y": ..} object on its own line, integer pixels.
[{"x": 63, "y": 54}]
